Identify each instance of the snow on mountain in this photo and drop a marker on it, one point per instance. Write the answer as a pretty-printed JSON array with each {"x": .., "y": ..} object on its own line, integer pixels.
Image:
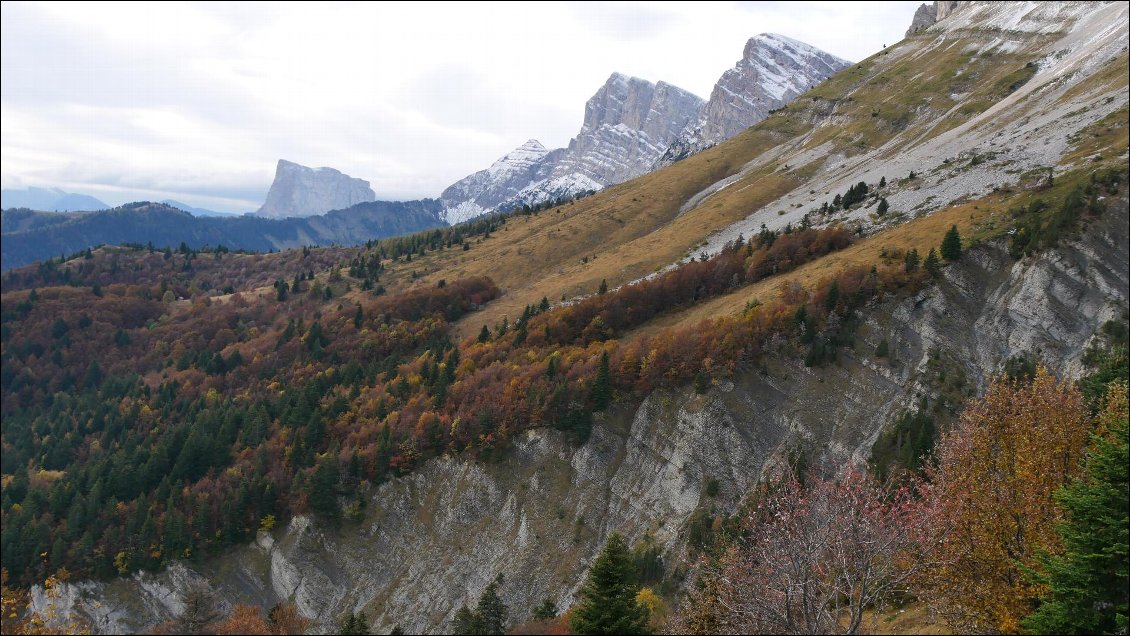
[
  {"x": 773, "y": 71},
  {"x": 628, "y": 124},
  {"x": 487, "y": 189}
]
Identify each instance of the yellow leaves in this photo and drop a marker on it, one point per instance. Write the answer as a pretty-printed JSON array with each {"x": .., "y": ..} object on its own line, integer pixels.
[{"x": 997, "y": 473}]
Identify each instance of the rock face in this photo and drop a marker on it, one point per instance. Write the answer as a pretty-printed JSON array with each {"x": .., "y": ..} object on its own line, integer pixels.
[
  {"x": 505, "y": 178},
  {"x": 926, "y": 15},
  {"x": 773, "y": 71},
  {"x": 433, "y": 540},
  {"x": 628, "y": 124},
  {"x": 301, "y": 191}
]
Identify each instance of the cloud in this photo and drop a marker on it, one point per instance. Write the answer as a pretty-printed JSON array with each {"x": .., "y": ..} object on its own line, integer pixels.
[{"x": 199, "y": 101}]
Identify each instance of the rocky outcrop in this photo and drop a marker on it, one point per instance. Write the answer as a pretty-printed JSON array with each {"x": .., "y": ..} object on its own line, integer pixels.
[
  {"x": 503, "y": 180},
  {"x": 628, "y": 124},
  {"x": 926, "y": 15},
  {"x": 773, "y": 71},
  {"x": 433, "y": 540},
  {"x": 301, "y": 191}
]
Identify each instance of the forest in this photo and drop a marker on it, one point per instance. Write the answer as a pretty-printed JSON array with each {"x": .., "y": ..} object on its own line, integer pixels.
[{"x": 165, "y": 404}]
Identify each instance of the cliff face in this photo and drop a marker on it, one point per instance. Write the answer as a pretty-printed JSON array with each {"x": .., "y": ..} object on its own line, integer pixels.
[
  {"x": 432, "y": 541},
  {"x": 301, "y": 191}
]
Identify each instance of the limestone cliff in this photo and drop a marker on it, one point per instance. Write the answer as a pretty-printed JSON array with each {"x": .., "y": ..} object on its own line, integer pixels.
[
  {"x": 301, "y": 191},
  {"x": 431, "y": 541}
]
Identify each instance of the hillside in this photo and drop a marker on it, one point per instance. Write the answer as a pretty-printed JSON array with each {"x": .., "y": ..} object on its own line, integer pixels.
[
  {"x": 34, "y": 236},
  {"x": 387, "y": 428}
]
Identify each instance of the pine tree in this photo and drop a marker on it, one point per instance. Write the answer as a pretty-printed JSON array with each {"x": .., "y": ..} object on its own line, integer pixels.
[
  {"x": 1088, "y": 583},
  {"x": 883, "y": 206},
  {"x": 912, "y": 260},
  {"x": 951, "y": 245},
  {"x": 608, "y": 599},
  {"x": 484, "y": 335},
  {"x": 491, "y": 611},
  {"x": 603, "y": 287},
  {"x": 882, "y": 182},
  {"x": 602, "y": 385},
  {"x": 933, "y": 265},
  {"x": 466, "y": 622}
]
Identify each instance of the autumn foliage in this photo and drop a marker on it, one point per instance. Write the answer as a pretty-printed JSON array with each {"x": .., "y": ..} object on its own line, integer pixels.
[{"x": 994, "y": 482}]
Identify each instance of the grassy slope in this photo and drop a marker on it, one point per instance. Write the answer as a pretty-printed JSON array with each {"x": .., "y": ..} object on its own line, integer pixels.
[{"x": 900, "y": 97}]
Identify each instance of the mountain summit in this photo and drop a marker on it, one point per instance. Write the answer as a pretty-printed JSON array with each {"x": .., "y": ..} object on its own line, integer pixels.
[
  {"x": 774, "y": 69},
  {"x": 301, "y": 191},
  {"x": 632, "y": 126}
]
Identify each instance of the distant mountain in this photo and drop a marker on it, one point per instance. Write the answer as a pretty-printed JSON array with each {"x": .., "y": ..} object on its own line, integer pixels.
[
  {"x": 48, "y": 200},
  {"x": 628, "y": 124},
  {"x": 632, "y": 126},
  {"x": 773, "y": 71},
  {"x": 31, "y": 236},
  {"x": 502, "y": 181},
  {"x": 194, "y": 211},
  {"x": 301, "y": 191}
]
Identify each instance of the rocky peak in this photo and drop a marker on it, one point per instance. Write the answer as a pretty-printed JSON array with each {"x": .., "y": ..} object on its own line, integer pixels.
[
  {"x": 301, "y": 191},
  {"x": 923, "y": 17},
  {"x": 628, "y": 124},
  {"x": 487, "y": 189},
  {"x": 928, "y": 14},
  {"x": 773, "y": 71}
]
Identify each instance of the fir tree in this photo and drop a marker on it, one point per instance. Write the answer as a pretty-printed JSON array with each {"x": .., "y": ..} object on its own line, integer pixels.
[
  {"x": 603, "y": 287},
  {"x": 883, "y": 206},
  {"x": 608, "y": 599},
  {"x": 1088, "y": 584},
  {"x": 491, "y": 611},
  {"x": 466, "y": 622},
  {"x": 484, "y": 335},
  {"x": 933, "y": 265},
  {"x": 951, "y": 245},
  {"x": 912, "y": 260}
]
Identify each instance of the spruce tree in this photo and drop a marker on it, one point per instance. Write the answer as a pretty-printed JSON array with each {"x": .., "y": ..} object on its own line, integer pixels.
[
  {"x": 491, "y": 611},
  {"x": 603, "y": 287},
  {"x": 466, "y": 622},
  {"x": 1088, "y": 584},
  {"x": 912, "y": 260},
  {"x": 484, "y": 335},
  {"x": 608, "y": 599},
  {"x": 933, "y": 265},
  {"x": 883, "y": 206},
  {"x": 951, "y": 245}
]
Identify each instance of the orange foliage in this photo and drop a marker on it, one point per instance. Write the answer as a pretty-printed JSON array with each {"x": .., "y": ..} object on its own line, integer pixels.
[{"x": 995, "y": 476}]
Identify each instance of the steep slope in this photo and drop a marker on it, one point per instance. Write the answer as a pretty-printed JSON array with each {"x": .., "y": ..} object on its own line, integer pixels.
[
  {"x": 773, "y": 70},
  {"x": 301, "y": 191},
  {"x": 430, "y": 542},
  {"x": 537, "y": 513},
  {"x": 968, "y": 108}
]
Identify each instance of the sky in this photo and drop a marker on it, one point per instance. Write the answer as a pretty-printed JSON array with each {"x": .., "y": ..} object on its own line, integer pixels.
[{"x": 197, "y": 102}]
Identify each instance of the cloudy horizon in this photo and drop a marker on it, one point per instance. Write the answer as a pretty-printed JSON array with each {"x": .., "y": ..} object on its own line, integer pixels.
[{"x": 198, "y": 102}]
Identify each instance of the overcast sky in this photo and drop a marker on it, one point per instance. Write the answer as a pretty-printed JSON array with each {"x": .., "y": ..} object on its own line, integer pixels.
[{"x": 197, "y": 102}]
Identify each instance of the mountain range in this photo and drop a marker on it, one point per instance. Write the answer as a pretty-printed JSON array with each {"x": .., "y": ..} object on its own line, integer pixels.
[
  {"x": 396, "y": 428},
  {"x": 630, "y": 127}
]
